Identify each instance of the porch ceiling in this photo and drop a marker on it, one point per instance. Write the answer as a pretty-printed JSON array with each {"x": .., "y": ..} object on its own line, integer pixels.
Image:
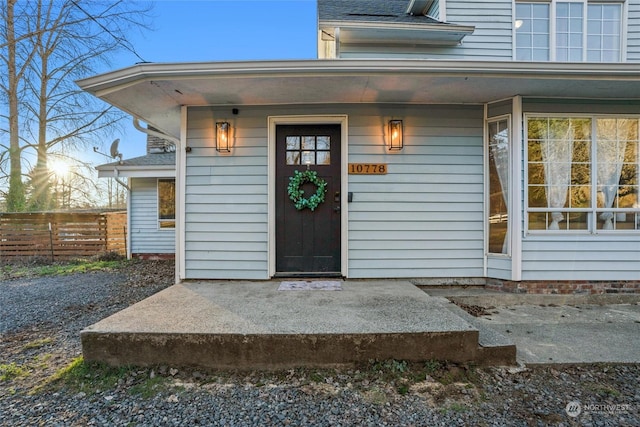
[{"x": 154, "y": 93}]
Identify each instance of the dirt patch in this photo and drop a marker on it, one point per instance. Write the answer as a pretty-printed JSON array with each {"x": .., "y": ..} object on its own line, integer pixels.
[{"x": 474, "y": 310}]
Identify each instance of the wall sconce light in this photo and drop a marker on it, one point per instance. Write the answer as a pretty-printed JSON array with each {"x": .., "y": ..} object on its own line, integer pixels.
[
  {"x": 222, "y": 137},
  {"x": 395, "y": 135}
]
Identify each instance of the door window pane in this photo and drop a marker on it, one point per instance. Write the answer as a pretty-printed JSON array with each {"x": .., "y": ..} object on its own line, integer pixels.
[
  {"x": 324, "y": 157},
  {"x": 293, "y": 143},
  {"x": 308, "y": 150},
  {"x": 308, "y": 143},
  {"x": 293, "y": 157},
  {"x": 323, "y": 143},
  {"x": 308, "y": 158}
]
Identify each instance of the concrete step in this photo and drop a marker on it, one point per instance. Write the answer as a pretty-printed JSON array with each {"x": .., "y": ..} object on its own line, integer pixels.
[
  {"x": 491, "y": 342},
  {"x": 247, "y": 325}
]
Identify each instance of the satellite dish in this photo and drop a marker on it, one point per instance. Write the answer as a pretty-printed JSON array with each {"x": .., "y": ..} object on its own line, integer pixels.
[{"x": 114, "y": 148}]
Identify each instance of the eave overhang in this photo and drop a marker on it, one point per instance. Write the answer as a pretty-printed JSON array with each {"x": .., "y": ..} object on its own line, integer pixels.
[
  {"x": 155, "y": 92},
  {"x": 385, "y": 33},
  {"x": 123, "y": 171}
]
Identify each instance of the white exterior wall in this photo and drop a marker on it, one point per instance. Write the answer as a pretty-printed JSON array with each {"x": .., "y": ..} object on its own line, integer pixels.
[
  {"x": 581, "y": 257},
  {"x": 499, "y": 267},
  {"x": 146, "y": 237},
  {"x": 491, "y": 40},
  {"x": 574, "y": 256},
  {"x": 633, "y": 31},
  {"x": 423, "y": 219},
  {"x": 226, "y": 231}
]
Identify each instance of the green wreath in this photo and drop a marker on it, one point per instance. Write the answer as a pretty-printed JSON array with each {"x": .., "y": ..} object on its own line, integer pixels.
[{"x": 296, "y": 193}]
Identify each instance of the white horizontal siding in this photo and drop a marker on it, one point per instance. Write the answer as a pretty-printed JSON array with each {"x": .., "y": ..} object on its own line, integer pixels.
[
  {"x": 493, "y": 20},
  {"x": 499, "y": 267},
  {"x": 424, "y": 218},
  {"x": 633, "y": 31},
  {"x": 144, "y": 233},
  {"x": 226, "y": 200},
  {"x": 567, "y": 257},
  {"x": 491, "y": 40},
  {"x": 434, "y": 11}
]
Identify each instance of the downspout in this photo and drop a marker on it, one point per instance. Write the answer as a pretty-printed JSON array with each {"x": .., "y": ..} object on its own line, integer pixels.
[
  {"x": 118, "y": 180},
  {"x": 148, "y": 131}
]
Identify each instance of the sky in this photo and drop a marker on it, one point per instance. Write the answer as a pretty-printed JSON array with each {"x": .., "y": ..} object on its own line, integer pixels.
[{"x": 218, "y": 30}]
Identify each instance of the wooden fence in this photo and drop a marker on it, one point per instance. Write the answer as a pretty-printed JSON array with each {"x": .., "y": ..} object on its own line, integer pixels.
[{"x": 59, "y": 236}]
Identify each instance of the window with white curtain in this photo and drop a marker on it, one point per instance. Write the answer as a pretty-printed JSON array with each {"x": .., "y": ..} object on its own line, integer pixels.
[
  {"x": 583, "y": 173},
  {"x": 498, "y": 153},
  {"x": 573, "y": 31}
]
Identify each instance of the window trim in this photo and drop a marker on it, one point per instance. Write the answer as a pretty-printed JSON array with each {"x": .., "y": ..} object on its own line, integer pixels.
[
  {"x": 158, "y": 220},
  {"x": 624, "y": 4},
  {"x": 592, "y": 229}
]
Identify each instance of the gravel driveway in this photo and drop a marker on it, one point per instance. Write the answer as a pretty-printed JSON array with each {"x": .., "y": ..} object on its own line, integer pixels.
[{"x": 40, "y": 319}]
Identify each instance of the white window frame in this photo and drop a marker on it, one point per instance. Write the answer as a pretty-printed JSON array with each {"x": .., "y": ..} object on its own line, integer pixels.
[
  {"x": 158, "y": 219},
  {"x": 509, "y": 190},
  {"x": 553, "y": 28},
  {"x": 593, "y": 210}
]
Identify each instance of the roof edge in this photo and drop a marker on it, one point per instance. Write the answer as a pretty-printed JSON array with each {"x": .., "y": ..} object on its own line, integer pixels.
[
  {"x": 167, "y": 171},
  {"x": 443, "y": 27},
  {"x": 150, "y": 71}
]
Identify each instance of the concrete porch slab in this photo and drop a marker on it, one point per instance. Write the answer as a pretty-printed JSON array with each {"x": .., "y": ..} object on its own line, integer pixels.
[{"x": 245, "y": 325}]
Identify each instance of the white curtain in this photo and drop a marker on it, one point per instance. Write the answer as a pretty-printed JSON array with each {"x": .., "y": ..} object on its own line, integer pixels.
[
  {"x": 610, "y": 160},
  {"x": 500, "y": 152},
  {"x": 557, "y": 151}
]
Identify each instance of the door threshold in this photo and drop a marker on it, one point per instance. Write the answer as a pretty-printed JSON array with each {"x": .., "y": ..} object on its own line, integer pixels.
[{"x": 307, "y": 275}]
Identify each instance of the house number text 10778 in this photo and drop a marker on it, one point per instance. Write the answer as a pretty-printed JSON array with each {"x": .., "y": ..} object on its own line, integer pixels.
[{"x": 367, "y": 168}]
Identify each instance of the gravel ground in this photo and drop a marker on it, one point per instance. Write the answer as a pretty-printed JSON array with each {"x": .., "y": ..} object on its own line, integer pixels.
[{"x": 40, "y": 319}]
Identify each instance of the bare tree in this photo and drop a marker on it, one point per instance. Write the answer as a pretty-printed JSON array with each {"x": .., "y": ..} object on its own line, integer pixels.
[
  {"x": 47, "y": 45},
  {"x": 15, "y": 199}
]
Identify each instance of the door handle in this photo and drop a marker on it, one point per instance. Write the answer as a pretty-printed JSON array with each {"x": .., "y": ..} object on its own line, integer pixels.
[{"x": 336, "y": 197}]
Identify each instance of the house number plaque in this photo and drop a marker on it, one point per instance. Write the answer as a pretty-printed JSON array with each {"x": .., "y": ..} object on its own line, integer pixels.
[{"x": 367, "y": 168}]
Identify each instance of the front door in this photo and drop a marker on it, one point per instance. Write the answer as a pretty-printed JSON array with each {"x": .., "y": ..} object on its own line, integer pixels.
[{"x": 308, "y": 241}]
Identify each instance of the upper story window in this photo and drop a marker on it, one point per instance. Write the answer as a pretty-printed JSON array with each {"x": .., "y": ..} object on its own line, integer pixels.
[{"x": 569, "y": 31}]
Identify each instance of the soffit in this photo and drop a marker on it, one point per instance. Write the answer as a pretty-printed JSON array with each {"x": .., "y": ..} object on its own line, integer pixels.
[{"x": 155, "y": 93}]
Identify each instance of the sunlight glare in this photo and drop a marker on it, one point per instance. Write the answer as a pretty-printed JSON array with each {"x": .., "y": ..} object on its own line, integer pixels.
[{"x": 60, "y": 168}]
